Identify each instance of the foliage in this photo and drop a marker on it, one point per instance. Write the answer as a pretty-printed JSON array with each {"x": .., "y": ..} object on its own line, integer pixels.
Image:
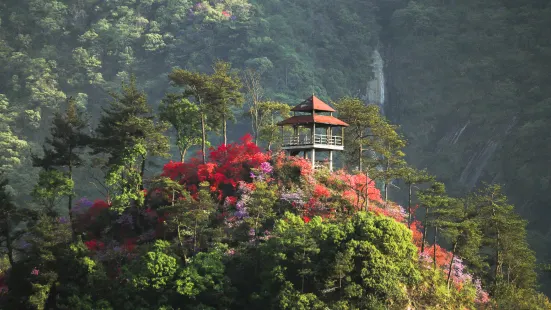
[
  {"x": 469, "y": 90},
  {"x": 270, "y": 113},
  {"x": 181, "y": 113},
  {"x": 52, "y": 185},
  {"x": 247, "y": 229},
  {"x": 10, "y": 144}
]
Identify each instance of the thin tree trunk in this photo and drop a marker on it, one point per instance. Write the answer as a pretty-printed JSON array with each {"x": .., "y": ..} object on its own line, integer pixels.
[
  {"x": 434, "y": 246},
  {"x": 386, "y": 191},
  {"x": 9, "y": 241},
  {"x": 142, "y": 173},
  {"x": 203, "y": 139},
  {"x": 497, "y": 250},
  {"x": 70, "y": 205},
  {"x": 366, "y": 190},
  {"x": 195, "y": 237},
  {"x": 409, "y": 206},
  {"x": 225, "y": 129},
  {"x": 451, "y": 264},
  {"x": 360, "y": 158},
  {"x": 424, "y": 230},
  {"x": 183, "y": 155}
]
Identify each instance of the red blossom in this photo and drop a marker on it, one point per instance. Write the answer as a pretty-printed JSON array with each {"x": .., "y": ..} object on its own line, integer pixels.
[
  {"x": 321, "y": 191},
  {"x": 306, "y": 219},
  {"x": 129, "y": 244},
  {"x": 231, "y": 200},
  {"x": 98, "y": 206},
  {"x": 94, "y": 245},
  {"x": 228, "y": 164}
]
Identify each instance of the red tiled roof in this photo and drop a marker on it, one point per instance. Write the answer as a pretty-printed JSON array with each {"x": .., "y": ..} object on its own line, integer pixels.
[
  {"x": 313, "y": 103},
  {"x": 309, "y": 119}
]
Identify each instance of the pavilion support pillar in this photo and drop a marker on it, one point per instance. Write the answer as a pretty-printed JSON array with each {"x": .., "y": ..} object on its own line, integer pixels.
[
  {"x": 313, "y": 158},
  {"x": 330, "y": 160}
]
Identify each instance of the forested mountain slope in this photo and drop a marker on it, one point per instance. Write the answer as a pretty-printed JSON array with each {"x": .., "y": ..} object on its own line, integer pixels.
[{"x": 467, "y": 80}]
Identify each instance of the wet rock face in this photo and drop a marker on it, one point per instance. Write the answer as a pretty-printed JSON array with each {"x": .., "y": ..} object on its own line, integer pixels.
[{"x": 375, "y": 89}]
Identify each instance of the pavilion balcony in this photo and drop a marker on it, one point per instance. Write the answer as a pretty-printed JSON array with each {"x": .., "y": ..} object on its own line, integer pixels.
[{"x": 329, "y": 142}]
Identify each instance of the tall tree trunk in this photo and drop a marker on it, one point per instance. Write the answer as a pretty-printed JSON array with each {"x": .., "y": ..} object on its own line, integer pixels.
[
  {"x": 434, "y": 246},
  {"x": 386, "y": 191},
  {"x": 70, "y": 205},
  {"x": 409, "y": 206},
  {"x": 183, "y": 155},
  {"x": 451, "y": 264},
  {"x": 386, "y": 183},
  {"x": 195, "y": 237},
  {"x": 225, "y": 129},
  {"x": 497, "y": 248},
  {"x": 203, "y": 138},
  {"x": 9, "y": 241},
  {"x": 142, "y": 173},
  {"x": 425, "y": 221},
  {"x": 360, "y": 158},
  {"x": 366, "y": 190},
  {"x": 256, "y": 126}
]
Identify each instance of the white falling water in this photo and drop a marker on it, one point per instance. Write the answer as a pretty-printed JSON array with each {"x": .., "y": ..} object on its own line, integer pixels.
[
  {"x": 375, "y": 90},
  {"x": 472, "y": 172},
  {"x": 477, "y": 163},
  {"x": 459, "y": 133}
]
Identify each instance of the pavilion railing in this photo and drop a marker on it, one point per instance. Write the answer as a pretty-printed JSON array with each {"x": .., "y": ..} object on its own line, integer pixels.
[{"x": 306, "y": 139}]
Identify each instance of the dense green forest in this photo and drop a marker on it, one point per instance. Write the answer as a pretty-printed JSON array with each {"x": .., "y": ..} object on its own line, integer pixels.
[{"x": 466, "y": 82}]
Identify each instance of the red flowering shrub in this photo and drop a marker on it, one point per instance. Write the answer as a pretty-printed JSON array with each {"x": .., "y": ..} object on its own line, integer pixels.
[
  {"x": 353, "y": 187},
  {"x": 94, "y": 245},
  {"x": 98, "y": 207},
  {"x": 130, "y": 244},
  {"x": 416, "y": 229},
  {"x": 228, "y": 165},
  {"x": 389, "y": 211},
  {"x": 321, "y": 191}
]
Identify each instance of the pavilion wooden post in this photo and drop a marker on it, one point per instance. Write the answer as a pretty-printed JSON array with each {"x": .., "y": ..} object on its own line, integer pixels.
[{"x": 330, "y": 160}]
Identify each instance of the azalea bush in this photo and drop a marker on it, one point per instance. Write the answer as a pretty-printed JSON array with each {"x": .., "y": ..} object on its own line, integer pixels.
[{"x": 251, "y": 229}]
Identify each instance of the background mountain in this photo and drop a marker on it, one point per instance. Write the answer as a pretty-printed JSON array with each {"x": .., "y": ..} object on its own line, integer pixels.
[{"x": 466, "y": 80}]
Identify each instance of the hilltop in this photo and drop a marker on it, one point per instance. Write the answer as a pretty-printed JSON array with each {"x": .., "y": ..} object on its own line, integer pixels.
[{"x": 247, "y": 229}]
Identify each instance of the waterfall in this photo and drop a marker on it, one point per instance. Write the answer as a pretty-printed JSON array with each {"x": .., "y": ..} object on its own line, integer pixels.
[
  {"x": 459, "y": 133},
  {"x": 478, "y": 161},
  {"x": 375, "y": 90}
]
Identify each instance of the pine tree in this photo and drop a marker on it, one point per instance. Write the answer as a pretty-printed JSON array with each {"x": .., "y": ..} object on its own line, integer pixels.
[
  {"x": 459, "y": 226},
  {"x": 128, "y": 125},
  {"x": 65, "y": 148},
  {"x": 411, "y": 177},
  {"x": 227, "y": 95},
  {"x": 431, "y": 199},
  {"x": 388, "y": 144},
  {"x": 504, "y": 240},
  {"x": 373, "y": 144},
  {"x": 361, "y": 118},
  {"x": 201, "y": 89}
]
